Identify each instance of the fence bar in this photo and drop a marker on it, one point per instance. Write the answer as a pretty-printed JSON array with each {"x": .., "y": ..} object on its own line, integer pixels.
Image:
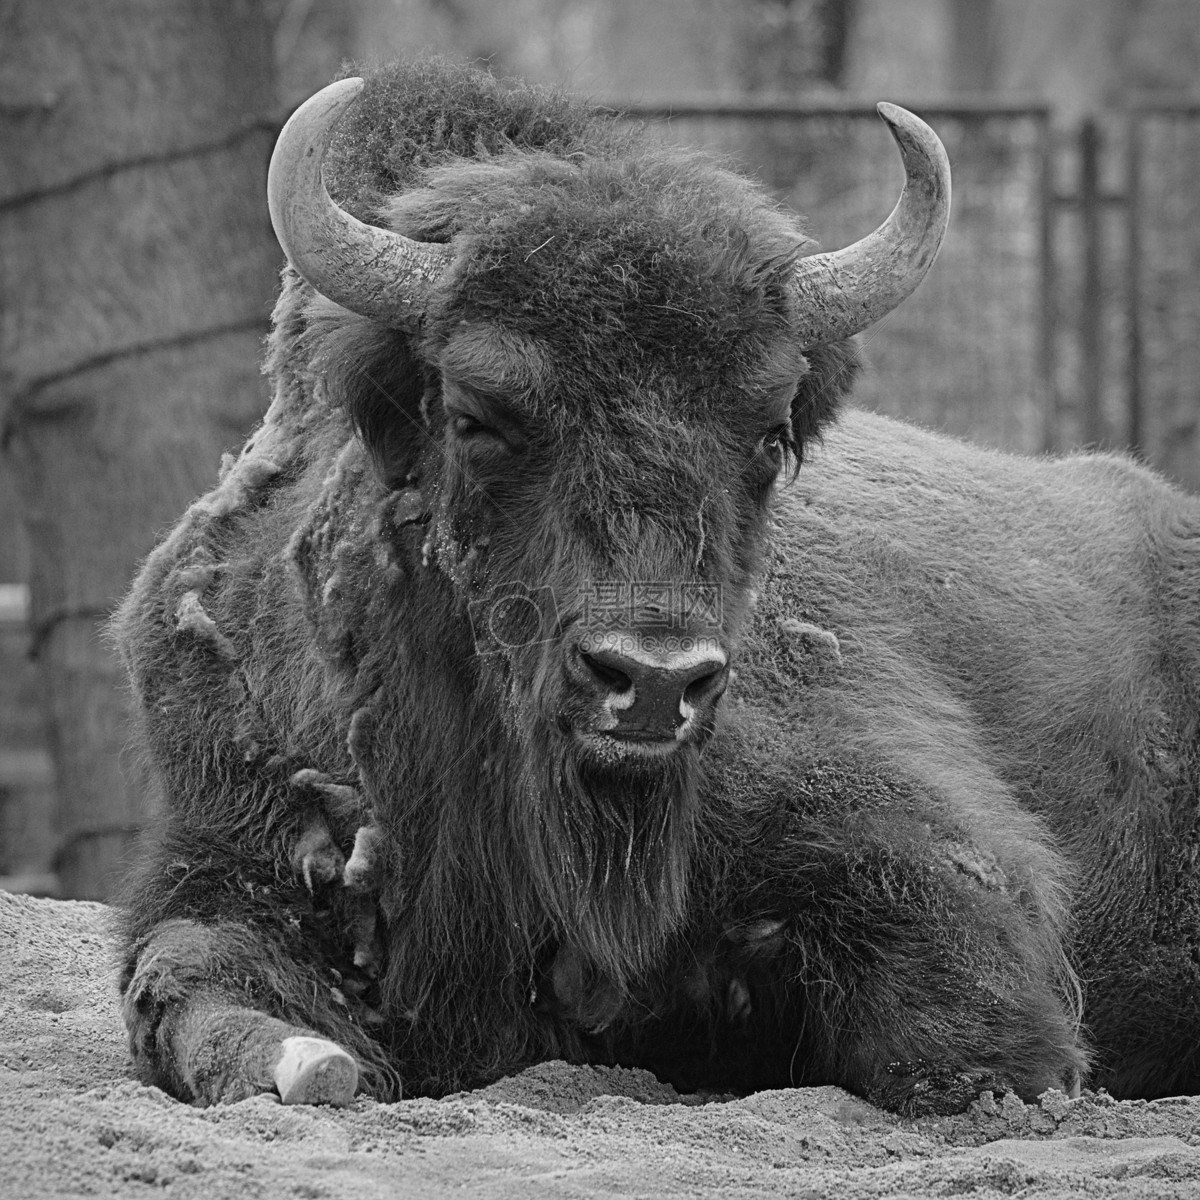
[
  {"x": 1091, "y": 299},
  {"x": 963, "y": 108},
  {"x": 1135, "y": 411},
  {"x": 1047, "y": 283},
  {"x": 1170, "y": 106}
]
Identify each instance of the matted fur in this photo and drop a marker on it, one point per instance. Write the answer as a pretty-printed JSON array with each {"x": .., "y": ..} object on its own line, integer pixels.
[{"x": 957, "y": 764}]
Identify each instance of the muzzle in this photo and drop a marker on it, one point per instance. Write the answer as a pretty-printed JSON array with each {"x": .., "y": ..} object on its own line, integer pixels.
[{"x": 647, "y": 686}]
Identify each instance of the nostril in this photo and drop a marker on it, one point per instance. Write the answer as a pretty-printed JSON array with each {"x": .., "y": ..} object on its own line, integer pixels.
[
  {"x": 706, "y": 686},
  {"x": 614, "y": 680}
]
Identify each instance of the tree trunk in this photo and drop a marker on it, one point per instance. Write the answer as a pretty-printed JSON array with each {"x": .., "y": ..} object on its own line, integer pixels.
[{"x": 137, "y": 272}]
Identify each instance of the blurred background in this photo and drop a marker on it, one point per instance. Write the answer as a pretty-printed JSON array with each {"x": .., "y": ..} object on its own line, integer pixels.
[{"x": 137, "y": 265}]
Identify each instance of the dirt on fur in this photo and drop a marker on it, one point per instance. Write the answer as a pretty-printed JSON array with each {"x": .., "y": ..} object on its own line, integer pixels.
[{"x": 74, "y": 1123}]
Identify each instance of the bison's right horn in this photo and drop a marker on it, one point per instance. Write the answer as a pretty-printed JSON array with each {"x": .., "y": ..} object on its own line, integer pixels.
[
  {"x": 844, "y": 291},
  {"x": 369, "y": 270}
]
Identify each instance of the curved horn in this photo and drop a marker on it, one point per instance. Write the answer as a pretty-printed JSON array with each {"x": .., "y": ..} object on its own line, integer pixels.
[
  {"x": 371, "y": 271},
  {"x": 847, "y": 290}
]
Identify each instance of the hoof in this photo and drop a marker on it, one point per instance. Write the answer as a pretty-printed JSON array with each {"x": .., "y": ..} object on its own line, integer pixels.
[{"x": 311, "y": 1070}]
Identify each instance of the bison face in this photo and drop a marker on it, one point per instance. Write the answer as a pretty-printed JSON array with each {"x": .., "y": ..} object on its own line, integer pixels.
[
  {"x": 601, "y": 513},
  {"x": 598, "y": 403}
]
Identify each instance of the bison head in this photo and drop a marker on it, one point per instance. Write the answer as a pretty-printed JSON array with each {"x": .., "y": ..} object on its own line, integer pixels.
[{"x": 588, "y": 371}]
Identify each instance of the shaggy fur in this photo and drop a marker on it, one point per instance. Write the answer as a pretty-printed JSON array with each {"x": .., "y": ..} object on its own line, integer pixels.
[{"x": 957, "y": 763}]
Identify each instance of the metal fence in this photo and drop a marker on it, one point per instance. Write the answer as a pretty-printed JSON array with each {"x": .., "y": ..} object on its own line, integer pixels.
[
  {"x": 1163, "y": 202},
  {"x": 1065, "y": 306}
]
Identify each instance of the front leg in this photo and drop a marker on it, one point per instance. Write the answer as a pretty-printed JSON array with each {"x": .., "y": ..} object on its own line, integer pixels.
[
  {"x": 920, "y": 971},
  {"x": 237, "y": 981},
  {"x": 193, "y": 1033},
  {"x": 884, "y": 951}
]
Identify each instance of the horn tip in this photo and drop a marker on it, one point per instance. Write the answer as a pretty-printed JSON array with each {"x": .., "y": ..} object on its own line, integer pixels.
[
  {"x": 320, "y": 110},
  {"x": 895, "y": 116},
  {"x": 337, "y": 96},
  {"x": 914, "y": 136}
]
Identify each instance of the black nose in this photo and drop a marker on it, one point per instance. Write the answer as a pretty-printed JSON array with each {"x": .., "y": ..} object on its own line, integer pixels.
[{"x": 651, "y": 684}]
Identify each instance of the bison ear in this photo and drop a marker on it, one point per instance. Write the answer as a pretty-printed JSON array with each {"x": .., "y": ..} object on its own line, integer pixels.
[
  {"x": 374, "y": 374},
  {"x": 831, "y": 374}
]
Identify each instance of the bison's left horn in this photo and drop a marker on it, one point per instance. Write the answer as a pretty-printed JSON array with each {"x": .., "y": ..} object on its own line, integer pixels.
[
  {"x": 369, "y": 270},
  {"x": 847, "y": 290}
]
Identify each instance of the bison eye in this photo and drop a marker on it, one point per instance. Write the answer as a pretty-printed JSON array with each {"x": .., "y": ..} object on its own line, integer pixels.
[
  {"x": 780, "y": 451},
  {"x": 779, "y": 442},
  {"x": 471, "y": 429}
]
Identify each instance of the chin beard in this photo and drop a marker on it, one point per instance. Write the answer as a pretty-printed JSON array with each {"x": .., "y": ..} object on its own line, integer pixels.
[{"x": 609, "y": 850}]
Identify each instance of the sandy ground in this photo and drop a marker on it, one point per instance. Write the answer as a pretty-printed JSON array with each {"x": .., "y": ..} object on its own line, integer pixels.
[{"x": 73, "y": 1122}]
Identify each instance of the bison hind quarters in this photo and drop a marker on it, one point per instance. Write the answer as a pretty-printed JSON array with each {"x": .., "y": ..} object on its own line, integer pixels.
[{"x": 314, "y": 1070}]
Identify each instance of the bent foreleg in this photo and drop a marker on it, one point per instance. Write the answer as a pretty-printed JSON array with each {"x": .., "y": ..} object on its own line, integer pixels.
[{"x": 196, "y": 1000}]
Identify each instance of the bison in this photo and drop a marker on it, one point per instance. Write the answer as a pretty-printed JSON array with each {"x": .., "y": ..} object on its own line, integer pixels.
[{"x": 556, "y": 674}]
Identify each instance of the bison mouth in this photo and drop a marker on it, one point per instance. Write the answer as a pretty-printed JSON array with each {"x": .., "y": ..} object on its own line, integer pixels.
[{"x": 631, "y": 746}]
